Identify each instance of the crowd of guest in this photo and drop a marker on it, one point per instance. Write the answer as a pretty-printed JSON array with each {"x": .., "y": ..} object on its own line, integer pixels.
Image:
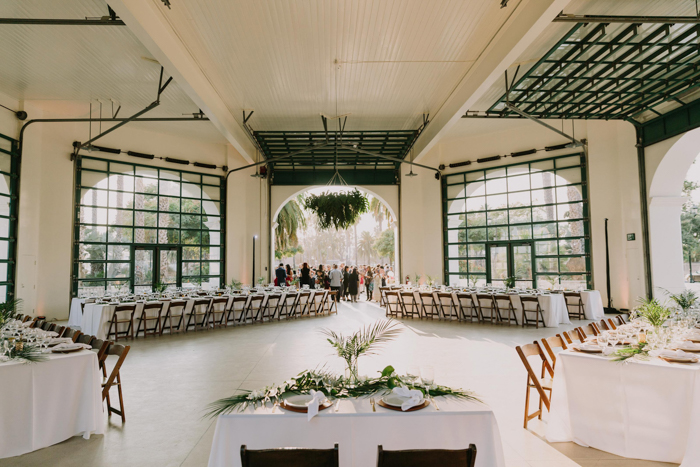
[{"x": 351, "y": 282}]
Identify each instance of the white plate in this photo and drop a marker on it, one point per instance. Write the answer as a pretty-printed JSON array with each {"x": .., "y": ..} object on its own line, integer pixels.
[
  {"x": 395, "y": 400},
  {"x": 299, "y": 400},
  {"x": 68, "y": 347}
]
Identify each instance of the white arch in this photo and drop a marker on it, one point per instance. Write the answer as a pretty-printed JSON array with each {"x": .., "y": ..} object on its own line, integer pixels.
[
  {"x": 277, "y": 203},
  {"x": 665, "y": 203}
]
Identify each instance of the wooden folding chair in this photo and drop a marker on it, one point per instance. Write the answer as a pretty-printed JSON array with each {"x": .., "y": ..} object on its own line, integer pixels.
[
  {"x": 156, "y": 311},
  {"x": 392, "y": 304},
  {"x": 26, "y": 318},
  {"x": 409, "y": 305},
  {"x": 252, "y": 309},
  {"x": 289, "y": 457},
  {"x": 382, "y": 295},
  {"x": 302, "y": 306},
  {"x": 588, "y": 330},
  {"x": 467, "y": 307},
  {"x": 232, "y": 308},
  {"x": 574, "y": 305},
  {"x": 84, "y": 339},
  {"x": 621, "y": 319},
  {"x": 551, "y": 343},
  {"x": 288, "y": 305},
  {"x": 60, "y": 330},
  {"x": 114, "y": 379},
  {"x": 316, "y": 302},
  {"x": 175, "y": 310},
  {"x": 218, "y": 306},
  {"x": 539, "y": 316},
  {"x": 198, "y": 316},
  {"x": 427, "y": 457},
  {"x": 429, "y": 308},
  {"x": 73, "y": 334},
  {"x": 504, "y": 303},
  {"x": 448, "y": 306},
  {"x": 115, "y": 321},
  {"x": 540, "y": 383},
  {"x": 569, "y": 337},
  {"x": 332, "y": 302},
  {"x": 487, "y": 302}
]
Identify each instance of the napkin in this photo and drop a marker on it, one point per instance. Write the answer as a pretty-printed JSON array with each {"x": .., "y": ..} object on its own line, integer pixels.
[
  {"x": 414, "y": 397},
  {"x": 674, "y": 354},
  {"x": 318, "y": 398},
  {"x": 70, "y": 345},
  {"x": 60, "y": 340},
  {"x": 687, "y": 345}
]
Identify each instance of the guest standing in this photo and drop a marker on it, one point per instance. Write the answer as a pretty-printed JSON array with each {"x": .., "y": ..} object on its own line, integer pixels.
[
  {"x": 369, "y": 284},
  {"x": 336, "y": 277},
  {"x": 346, "y": 284},
  {"x": 280, "y": 275},
  {"x": 353, "y": 280},
  {"x": 305, "y": 277}
]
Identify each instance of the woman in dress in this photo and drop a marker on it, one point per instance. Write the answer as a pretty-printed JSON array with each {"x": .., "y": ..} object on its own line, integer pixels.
[
  {"x": 369, "y": 284},
  {"x": 353, "y": 281},
  {"x": 290, "y": 276},
  {"x": 305, "y": 277},
  {"x": 378, "y": 282}
]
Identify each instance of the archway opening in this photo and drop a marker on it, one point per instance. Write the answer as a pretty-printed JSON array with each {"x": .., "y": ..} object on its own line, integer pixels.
[
  {"x": 371, "y": 241},
  {"x": 671, "y": 215}
]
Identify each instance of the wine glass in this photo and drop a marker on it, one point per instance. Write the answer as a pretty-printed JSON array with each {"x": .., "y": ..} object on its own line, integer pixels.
[
  {"x": 328, "y": 385},
  {"x": 412, "y": 374},
  {"x": 427, "y": 376},
  {"x": 603, "y": 339},
  {"x": 613, "y": 338}
]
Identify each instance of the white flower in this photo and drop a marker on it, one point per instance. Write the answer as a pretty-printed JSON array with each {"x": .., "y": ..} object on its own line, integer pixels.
[{"x": 255, "y": 394}]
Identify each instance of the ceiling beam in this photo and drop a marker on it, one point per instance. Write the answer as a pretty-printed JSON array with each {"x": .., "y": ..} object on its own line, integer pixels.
[
  {"x": 147, "y": 21},
  {"x": 564, "y": 18},
  {"x": 526, "y": 22}
]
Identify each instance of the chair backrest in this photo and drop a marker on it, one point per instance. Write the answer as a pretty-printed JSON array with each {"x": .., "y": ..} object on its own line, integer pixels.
[
  {"x": 551, "y": 343},
  {"x": 427, "y": 457},
  {"x": 570, "y": 336},
  {"x": 154, "y": 306},
  {"x": 72, "y": 334},
  {"x": 177, "y": 306},
  {"x": 85, "y": 339},
  {"x": 465, "y": 296},
  {"x": 529, "y": 350},
  {"x": 218, "y": 301},
  {"x": 525, "y": 299},
  {"x": 480, "y": 298},
  {"x": 611, "y": 324},
  {"x": 289, "y": 457},
  {"x": 126, "y": 307},
  {"x": 60, "y": 330},
  {"x": 26, "y": 318},
  {"x": 575, "y": 295}
]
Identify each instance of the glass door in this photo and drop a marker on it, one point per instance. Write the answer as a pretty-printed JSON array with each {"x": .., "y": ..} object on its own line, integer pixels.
[
  {"x": 154, "y": 266},
  {"x": 509, "y": 259}
]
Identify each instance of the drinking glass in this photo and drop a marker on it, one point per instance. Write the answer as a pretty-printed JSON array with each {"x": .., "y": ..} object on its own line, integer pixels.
[
  {"x": 412, "y": 374},
  {"x": 613, "y": 338},
  {"x": 427, "y": 376},
  {"x": 603, "y": 339}
]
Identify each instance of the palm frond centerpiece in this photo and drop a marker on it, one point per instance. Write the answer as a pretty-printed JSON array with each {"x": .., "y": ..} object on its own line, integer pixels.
[{"x": 366, "y": 341}]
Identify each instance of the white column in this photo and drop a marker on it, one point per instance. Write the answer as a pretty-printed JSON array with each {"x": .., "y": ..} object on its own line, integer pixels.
[{"x": 666, "y": 244}]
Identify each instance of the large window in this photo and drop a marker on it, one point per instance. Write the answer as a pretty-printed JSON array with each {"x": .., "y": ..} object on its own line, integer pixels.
[
  {"x": 528, "y": 221},
  {"x": 9, "y": 202},
  {"x": 139, "y": 226}
]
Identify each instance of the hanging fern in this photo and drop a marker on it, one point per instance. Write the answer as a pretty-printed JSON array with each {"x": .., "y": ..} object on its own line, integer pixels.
[{"x": 338, "y": 210}]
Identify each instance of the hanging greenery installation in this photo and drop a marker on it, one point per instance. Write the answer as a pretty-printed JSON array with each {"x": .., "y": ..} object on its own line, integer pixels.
[{"x": 338, "y": 210}]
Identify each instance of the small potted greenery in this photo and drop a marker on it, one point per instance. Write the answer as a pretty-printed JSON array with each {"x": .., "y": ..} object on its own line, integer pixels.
[
  {"x": 235, "y": 284},
  {"x": 685, "y": 300},
  {"x": 509, "y": 282}
]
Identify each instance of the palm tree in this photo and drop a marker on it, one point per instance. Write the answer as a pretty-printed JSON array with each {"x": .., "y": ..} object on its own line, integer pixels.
[
  {"x": 289, "y": 221},
  {"x": 380, "y": 212},
  {"x": 366, "y": 245}
]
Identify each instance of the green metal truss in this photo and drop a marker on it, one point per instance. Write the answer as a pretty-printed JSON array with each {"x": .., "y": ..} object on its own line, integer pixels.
[
  {"x": 317, "y": 165},
  {"x": 610, "y": 71}
]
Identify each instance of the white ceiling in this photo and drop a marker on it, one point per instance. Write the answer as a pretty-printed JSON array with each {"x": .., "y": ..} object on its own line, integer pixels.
[
  {"x": 86, "y": 63},
  {"x": 385, "y": 62}
]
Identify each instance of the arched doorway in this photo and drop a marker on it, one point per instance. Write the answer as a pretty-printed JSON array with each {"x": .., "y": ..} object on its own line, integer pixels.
[
  {"x": 387, "y": 195},
  {"x": 665, "y": 204}
]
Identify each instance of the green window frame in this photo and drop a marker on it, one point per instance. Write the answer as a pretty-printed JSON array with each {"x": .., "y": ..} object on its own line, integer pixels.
[
  {"x": 120, "y": 206},
  {"x": 10, "y": 164},
  {"x": 543, "y": 202}
]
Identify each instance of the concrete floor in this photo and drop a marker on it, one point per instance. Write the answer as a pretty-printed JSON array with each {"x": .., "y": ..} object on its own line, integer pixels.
[{"x": 168, "y": 382}]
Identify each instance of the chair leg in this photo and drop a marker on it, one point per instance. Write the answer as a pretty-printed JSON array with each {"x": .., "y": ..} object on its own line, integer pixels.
[
  {"x": 527, "y": 402},
  {"x": 121, "y": 398}
]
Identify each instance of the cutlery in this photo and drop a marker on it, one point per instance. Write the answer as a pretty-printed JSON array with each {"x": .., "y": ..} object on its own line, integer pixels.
[
  {"x": 337, "y": 404},
  {"x": 434, "y": 403},
  {"x": 371, "y": 401}
]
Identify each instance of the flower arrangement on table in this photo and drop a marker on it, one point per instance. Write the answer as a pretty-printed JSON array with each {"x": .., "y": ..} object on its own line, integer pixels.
[
  {"x": 364, "y": 342},
  {"x": 13, "y": 341}
]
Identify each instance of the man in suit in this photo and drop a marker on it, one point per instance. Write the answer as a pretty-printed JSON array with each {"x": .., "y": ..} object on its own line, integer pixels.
[{"x": 281, "y": 275}]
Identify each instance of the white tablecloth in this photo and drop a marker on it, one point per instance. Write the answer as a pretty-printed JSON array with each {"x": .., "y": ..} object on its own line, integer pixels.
[
  {"x": 641, "y": 410},
  {"x": 45, "y": 403},
  {"x": 359, "y": 431},
  {"x": 592, "y": 305},
  {"x": 75, "y": 318},
  {"x": 553, "y": 307}
]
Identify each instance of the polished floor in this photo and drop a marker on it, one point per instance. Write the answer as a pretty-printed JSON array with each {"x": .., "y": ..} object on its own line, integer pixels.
[{"x": 168, "y": 381}]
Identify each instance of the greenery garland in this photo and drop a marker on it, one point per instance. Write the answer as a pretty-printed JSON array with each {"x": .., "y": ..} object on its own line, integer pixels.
[
  {"x": 338, "y": 210},
  {"x": 340, "y": 389},
  {"x": 9, "y": 310},
  {"x": 625, "y": 353}
]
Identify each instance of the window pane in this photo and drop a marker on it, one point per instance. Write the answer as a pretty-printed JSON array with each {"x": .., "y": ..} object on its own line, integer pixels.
[
  {"x": 566, "y": 194},
  {"x": 211, "y": 208},
  {"x": 455, "y": 191},
  {"x": 573, "y": 264},
  {"x": 118, "y": 270},
  {"x": 169, "y": 188},
  {"x": 93, "y": 234},
  {"x": 496, "y": 202},
  {"x": 476, "y": 189},
  {"x": 145, "y": 219},
  {"x": 459, "y": 205},
  {"x": 91, "y": 251},
  {"x": 191, "y": 237},
  {"x": 545, "y": 196},
  {"x": 498, "y": 233},
  {"x": 117, "y": 199},
  {"x": 496, "y": 186},
  {"x": 91, "y": 270},
  {"x": 455, "y": 220},
  {"x": 476, "y": 204},
  {"x": 521, "y": 198},
  {"x": 477, "y": 250},
  {"x": 571, "y": 229},
  {"x": 90, "y": 215},
  {"x": 453, "y": 236},
  {"x": 191, "y": 222},
  {"x": 476, "y": 235},
  {"x": 477, "y": 265},
  {"x": 119, "y": 253},
  {"x": 146, "y": 236},
  {"x": 216, "y": 181},
  {"x": 91, "y": 179},
  {"x": 547, "y": 265},
  {"x": 121, "y": 182},
  {"x": 148, "y": 202},
  {"x": 121, "y": 217},
  {"x": 146, "y": 185},
  {"x": 519, "y": 183},
  {"x": 542, "y": 179},
  {"x": 519, "y": 216},
  {"x": 520, "y": 232},
  {"x": 497, "y": 217},
  {"x": 191, "y": 191},
  {"x": 169, "y": 220},
  {"x": 548, "y": 248},
  {"x": 120, "y": 235},
  {"x": 544, "y": 230},
  {"x": 168, "y": 236},
  {"x": 572, "y": 246},
  {"x": 211, "y": 192},
  {"x": 191, "y": 206},
  {"x": 568, "y": 176},
  {"x": 544, "y": 213},
  {"x": 94, "y": 197},
  {"x": 476, "y": 219}
]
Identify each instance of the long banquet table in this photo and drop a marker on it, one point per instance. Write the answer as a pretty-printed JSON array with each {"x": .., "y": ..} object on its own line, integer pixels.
[
  {"x": 45, "y": 403},
  {"x": 359, "y": 431},
  {"x": 641, "y": 410}
]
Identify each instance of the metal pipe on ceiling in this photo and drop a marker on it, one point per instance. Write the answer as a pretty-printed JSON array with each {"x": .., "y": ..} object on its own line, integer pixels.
[
  {"x": 564, "y": 18},
  {"x": 106, "y": 21},
  {"x": 381, "y": 156}
]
